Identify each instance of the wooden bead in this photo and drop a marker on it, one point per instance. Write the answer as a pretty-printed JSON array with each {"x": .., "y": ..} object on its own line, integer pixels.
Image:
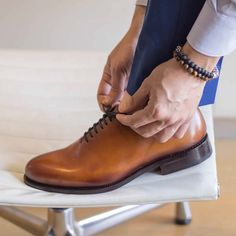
[
  {"x": 186, "y": 66},
  {"x": 190, "y": 70},
  {"x": 191, "y": 67}
]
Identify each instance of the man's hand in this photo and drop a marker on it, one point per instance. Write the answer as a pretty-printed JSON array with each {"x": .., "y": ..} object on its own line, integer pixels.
[
  {"x": 115, "y": 75},
  {"x": 117, "y": 69},
  {"x": 167, "y": 100}
]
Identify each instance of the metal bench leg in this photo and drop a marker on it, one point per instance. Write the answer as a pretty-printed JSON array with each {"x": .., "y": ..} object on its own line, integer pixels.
[
  {"x": 103, "y": 221},
  {"x": 61, "y": 222},
  {"x": 26, "y": 221},
  {"x": 183, "y": 213}
]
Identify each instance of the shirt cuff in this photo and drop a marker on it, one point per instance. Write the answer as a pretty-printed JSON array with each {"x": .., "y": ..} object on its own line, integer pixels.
[
  {"x": 141, "y": 2},
  {"x": 213, "y": 33}
]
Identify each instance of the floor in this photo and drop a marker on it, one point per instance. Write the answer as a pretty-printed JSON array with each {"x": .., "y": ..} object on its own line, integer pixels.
[{"x": 212, "y": 218}]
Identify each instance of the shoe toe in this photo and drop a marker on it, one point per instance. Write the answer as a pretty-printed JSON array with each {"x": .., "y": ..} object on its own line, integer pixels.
[{"x": 40, "y": 168}]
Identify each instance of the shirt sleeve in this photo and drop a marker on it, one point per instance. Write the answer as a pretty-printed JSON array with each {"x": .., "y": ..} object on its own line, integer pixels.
[
  {"x": 141, "y": 2},
  {"x": 214, "y": 31}
]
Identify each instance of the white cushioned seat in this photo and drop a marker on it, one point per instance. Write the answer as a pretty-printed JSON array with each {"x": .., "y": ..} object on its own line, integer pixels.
[{"x": 48, "y": 100}]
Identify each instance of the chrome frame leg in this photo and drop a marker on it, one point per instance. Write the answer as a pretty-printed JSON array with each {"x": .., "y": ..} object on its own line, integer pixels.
[
  {"x": 100, "y": 222},
  {"x": 26, "y": 221},
  {"x": 183, "y": 213},
  {"x": 61, "y": 221}
]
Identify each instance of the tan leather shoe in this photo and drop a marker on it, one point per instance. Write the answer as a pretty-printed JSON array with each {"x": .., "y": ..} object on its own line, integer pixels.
[{"x": 110, "y": 155}]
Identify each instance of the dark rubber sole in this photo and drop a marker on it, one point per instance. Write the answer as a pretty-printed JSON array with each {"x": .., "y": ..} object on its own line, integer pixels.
[{"x": 166, "y": 165}]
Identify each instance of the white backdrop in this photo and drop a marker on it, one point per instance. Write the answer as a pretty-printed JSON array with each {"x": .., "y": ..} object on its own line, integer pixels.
[{"x": 86, "y": 25}]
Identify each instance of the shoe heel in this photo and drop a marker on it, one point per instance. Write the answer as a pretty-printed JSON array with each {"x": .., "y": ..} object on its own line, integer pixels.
[{"x": 188, "y": 158}]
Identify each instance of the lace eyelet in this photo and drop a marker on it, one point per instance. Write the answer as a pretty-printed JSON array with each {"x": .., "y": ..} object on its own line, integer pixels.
[{"x": 100, "y": 122}]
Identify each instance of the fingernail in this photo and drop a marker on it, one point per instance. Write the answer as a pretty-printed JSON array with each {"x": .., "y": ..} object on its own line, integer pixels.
[{"x": 163, "y": 140}]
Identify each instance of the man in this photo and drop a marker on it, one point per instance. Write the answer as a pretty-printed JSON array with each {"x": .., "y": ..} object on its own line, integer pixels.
[
  {"x": 157, "y": 125},
  {"x": 173, "y": 94}
]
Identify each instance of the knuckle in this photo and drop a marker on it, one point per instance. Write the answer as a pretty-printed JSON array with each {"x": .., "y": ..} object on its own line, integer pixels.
[
  {"x": 171, "y": 120},
  {"x": 156, "y": 112},
  {"x": 131, "y": 124},
  {"x": 118, "y": 69},
  {"x": 165, "y": 132},
  {"x": 135, "y": 126}
]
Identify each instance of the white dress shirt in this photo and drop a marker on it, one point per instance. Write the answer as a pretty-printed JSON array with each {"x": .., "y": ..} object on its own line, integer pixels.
[{"x": 214, "y": 31}]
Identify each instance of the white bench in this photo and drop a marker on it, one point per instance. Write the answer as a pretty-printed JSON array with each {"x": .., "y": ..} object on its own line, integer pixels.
[{"x": 47, "y": 100}]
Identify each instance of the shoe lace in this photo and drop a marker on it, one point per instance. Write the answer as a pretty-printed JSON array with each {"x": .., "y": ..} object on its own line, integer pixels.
[{"x": 110, "y": 114}]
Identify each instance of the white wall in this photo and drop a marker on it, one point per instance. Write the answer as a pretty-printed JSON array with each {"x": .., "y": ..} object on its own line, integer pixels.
[
  {"x": 63, "y": 24},
  {"x": 86, "y": 25}
]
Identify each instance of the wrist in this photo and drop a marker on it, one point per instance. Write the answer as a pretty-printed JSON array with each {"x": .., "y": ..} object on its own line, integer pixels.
[{"x": 204, "y": 61}]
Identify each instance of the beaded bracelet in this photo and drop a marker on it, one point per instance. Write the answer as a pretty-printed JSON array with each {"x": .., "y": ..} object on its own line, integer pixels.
[{"x": 193, "y": 68}]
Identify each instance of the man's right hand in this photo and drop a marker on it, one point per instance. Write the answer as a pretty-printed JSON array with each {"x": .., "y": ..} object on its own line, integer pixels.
[{"x": 118, "y": 66}]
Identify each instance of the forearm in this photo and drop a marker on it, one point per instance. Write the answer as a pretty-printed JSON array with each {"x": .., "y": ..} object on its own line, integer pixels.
[{"x": 136, "y": 23}]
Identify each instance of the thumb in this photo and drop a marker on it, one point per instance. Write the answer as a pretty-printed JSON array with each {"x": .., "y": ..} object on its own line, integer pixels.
[{"x": 135, "y": 102}]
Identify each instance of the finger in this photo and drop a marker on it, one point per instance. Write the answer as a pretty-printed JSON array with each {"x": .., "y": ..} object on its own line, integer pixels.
[
  {"x": 139, "y": 118},
  {"x": 150, "y": 129},
  {"x": 147, "y": 115},
  {"x": 104, "y": 88},
  {"x": 182, "y": 130},
  {"x": 167, "y": 133},
  {"x": 135, "y": 102},
  {"x": 118, "y": 86}
]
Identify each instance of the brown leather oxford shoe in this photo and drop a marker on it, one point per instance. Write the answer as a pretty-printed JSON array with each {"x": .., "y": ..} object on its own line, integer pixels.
[{"x": 110, "y": 155}]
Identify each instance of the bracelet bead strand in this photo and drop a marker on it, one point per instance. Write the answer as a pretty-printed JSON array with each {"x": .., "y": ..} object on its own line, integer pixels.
[{"x": 192, "y": 67}]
